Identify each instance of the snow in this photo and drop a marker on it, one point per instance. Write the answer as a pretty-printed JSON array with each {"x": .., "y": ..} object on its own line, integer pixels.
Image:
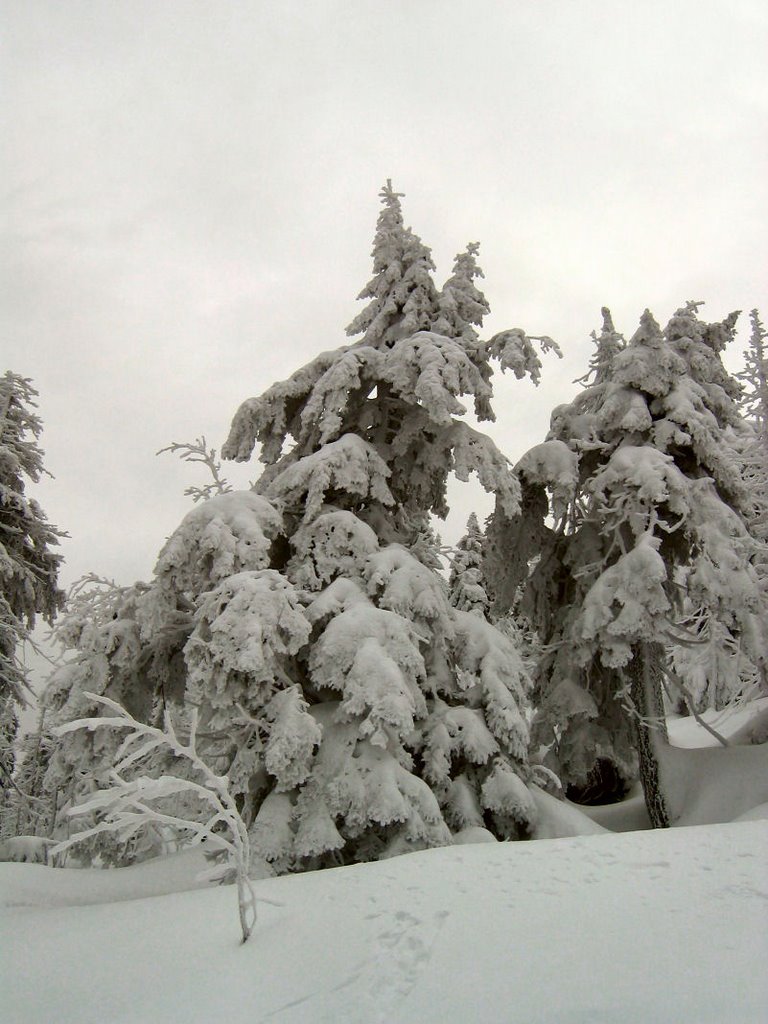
[
  {"x": 430, "y": 370},
  {"x": 579, "y": 926},
  {"x": 713, "y": 784},
  {"x": 739, "y": 723},
  {"x": 349, "y": 464},
  {"x": 559, "y": 819},
  {"x": 759, "y": 813},
  {"x": 226, "y": 534},
  {"x": 553, "y": 464},
  {"x": 660, "y": 926}
]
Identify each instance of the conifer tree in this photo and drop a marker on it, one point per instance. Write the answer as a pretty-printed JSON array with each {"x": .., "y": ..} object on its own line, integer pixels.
[
  {"x": 28, "y": 809},
  {"x": 461, "y": 308},
  {"x": 402, "y": 292},
  {"x": 753, "y": 445},
  {"x": 648, "y": 549},
  {"x": 608, "y": 344},
  {"x": 461, "y": 305},
  {"x": 28, "y": 565},
  {"x": 755, "y": 377},
  {"x": 466, "y": 589},
  {"x": 355, "y": 712}
]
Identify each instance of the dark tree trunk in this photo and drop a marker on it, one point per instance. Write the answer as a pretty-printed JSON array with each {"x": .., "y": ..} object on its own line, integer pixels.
[{"x": 650, "y": 729}]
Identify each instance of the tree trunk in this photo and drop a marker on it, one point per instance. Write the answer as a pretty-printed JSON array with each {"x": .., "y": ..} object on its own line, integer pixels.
[{"x": 650, "y": 728}]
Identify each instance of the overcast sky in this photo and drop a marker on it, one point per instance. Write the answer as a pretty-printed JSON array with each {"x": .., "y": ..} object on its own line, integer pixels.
[{"x": 191, "y": 191}]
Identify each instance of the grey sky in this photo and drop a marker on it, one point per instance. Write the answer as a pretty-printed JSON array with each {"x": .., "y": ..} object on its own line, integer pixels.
[{"x": 190, "y": 194}]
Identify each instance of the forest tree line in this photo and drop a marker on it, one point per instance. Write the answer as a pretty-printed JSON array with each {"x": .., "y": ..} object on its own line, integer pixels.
[{"x": 361, "y": 697}]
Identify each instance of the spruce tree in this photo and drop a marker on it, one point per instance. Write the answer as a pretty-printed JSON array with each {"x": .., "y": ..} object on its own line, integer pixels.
[
  {"x": 647, "y": 548},
  {"x": 461, "y": 305},
  {"x": 466, "y": 589},
  {"x": 28, "y": 564},
  {"x": 753, "y": 442},
  {"x": 755, "y": 377},
  {"x": 402, "y": 293},
  {"x": 461, "y": 308},
  {"x": 607, "y": 344},
  {"x": 355, "y": 712}
]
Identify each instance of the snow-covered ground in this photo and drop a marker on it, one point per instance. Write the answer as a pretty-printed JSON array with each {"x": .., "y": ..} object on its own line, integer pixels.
[
  {"x": 643, "y": 926},
  {"x": 637, "y": 926}
]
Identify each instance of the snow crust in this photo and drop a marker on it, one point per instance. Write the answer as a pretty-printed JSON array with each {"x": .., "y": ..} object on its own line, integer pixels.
[{"x": 668, "y": 927}]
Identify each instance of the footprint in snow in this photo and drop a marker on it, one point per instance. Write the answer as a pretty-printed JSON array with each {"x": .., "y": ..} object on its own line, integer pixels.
[{"x": 403, "y": 951}]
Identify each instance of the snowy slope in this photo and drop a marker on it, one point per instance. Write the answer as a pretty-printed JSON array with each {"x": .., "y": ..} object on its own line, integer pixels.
[{"x": 645, "y": 926}]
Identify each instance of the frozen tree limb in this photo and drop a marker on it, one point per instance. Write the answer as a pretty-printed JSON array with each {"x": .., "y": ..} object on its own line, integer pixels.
[
  {"x": 198, "y": 451},
  {"x": 127, "y": 804}
]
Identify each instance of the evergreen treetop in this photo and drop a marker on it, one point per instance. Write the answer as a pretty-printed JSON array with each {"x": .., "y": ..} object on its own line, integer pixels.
[
  {"x": 461, "y": 305},
  {"x": 402, "y": 293},
  {"x": 398, "y": 388}
]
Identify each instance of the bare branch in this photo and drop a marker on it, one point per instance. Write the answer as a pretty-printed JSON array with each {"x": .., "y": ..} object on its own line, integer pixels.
[{"x": 198, "y": 451}]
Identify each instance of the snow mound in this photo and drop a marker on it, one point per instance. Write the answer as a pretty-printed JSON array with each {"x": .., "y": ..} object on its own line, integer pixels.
[
  {"x": 759, "y": 813},
  {"x": 559, "y": 819}
]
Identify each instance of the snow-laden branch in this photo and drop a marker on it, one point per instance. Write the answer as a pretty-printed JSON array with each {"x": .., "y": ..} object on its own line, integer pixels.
[{"x": 127, "y": 804}]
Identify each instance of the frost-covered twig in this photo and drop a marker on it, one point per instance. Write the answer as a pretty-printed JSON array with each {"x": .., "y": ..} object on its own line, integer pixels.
[
  {"x": 91, "y": 579},
  {"x": 127, "y": 803},
  {"x": 198, "y": 451},
  {"x": 91, "y": 596}
]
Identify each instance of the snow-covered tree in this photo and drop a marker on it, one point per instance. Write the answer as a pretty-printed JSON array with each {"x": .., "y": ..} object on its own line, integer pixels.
[
  {"x": 417, "y": 705},
  {"x": 461, "y": 308},
  {"x": 28, "y": 810},
  {"x": 646, "y": 548},
  {"x": 402, "y": 293},
  {"x": 465, "y": 582},
  {"x": 607, "y": 344},
  {"x": 461, "y": 305},
  {"x": 753, "y": 442},
  {"x": 99, "y": 635},
  {"x": 755, "y": 377},
  {"x": 28, "y": 564},
  {"x": 354, "y": 711}
]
